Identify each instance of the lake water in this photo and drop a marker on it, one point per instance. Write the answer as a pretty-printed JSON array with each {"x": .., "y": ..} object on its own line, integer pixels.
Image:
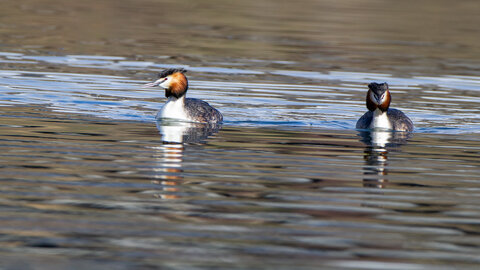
[{"x": 90, "y": 180}]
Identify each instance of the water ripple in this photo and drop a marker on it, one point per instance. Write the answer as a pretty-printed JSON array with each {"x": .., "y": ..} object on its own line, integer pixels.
[{"x": 332, "y": 100}]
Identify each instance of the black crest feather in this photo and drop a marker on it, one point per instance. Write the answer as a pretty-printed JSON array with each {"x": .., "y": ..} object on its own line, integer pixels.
[
  {"x": 378, "y": 88},
  {"x": 170, "y": 71}
]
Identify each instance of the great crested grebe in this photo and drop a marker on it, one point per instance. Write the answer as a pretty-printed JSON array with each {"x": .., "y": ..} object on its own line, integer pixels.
[
  {"x": 379, "y": 116},
  {"x": 175, "y": 83}
]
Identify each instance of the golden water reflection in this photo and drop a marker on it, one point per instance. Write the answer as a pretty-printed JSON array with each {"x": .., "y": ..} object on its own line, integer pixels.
[{"x": 77, "y": 187}]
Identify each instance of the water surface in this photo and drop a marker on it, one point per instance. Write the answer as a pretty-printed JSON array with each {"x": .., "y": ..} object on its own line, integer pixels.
[{"x": 90, "y": 180}]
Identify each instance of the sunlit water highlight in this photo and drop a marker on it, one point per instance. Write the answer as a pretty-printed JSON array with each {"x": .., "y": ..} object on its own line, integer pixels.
[{"x": 447, "y": 104}]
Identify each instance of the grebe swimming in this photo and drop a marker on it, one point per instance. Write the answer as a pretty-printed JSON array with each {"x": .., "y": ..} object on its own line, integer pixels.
[
  {"x": 175, "y": 83},
  {"x": 379, "y": 116}
]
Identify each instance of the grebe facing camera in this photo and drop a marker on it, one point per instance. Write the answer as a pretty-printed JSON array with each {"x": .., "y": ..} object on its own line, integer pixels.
[{"x": 379, "y": 115}]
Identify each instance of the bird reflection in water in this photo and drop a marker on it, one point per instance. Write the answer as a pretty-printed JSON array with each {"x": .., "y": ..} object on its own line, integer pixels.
[
  {"x": 177, "y": 135},
  {"x": 378, "y": 142}
]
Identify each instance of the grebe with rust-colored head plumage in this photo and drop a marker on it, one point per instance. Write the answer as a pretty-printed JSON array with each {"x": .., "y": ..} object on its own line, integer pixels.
[
  {"x": 380, "y": 115},
  {"x": 175, "y": 84},
  {"x": 173, "y": 80}
]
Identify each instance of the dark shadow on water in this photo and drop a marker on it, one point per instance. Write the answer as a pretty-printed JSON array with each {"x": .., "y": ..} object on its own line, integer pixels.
[{"x": 377, "y": 144}]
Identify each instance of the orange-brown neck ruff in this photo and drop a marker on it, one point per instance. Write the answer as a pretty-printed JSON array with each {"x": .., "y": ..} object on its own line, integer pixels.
[
  {"x": 178, "y": 86},
  {"x": 372, "y": 105},
  {"x": 384, "y": 106}
]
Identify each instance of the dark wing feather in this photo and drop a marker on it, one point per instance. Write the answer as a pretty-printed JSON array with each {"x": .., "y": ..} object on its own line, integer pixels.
[
  {"x": 201, "y": 111},
  {"x": 399, "y": 120},
  {"x": 365, "y": 121}
]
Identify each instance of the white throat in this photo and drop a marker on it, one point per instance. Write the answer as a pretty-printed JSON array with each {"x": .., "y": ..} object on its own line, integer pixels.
[
  {"x": 174, "y": 108},
  {"x": 380, "y": 120}
]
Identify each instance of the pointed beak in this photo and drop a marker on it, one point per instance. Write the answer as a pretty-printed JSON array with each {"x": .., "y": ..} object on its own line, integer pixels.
[{"x": 153, "y": 84}]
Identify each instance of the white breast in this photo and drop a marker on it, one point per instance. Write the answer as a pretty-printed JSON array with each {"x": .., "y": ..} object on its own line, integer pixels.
[
  {"x": 174, "y": 108},
  {"x": 380, "y": 120}
]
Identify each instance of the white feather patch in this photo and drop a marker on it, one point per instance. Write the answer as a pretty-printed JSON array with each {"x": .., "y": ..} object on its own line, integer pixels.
[
  {"x": 380, "y": 120},
  {"x": 174, "y": 108}
]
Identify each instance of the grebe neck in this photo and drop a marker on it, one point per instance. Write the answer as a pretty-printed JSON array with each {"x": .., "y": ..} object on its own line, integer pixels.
[
  {"x": 174, "y": 108},
  {"x": 380, "y": 120}
]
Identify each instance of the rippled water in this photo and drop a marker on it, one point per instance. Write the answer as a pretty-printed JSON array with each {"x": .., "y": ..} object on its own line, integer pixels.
[
  {"x": 446, "y": 104},
  {"x": 90, "y": 180}
]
